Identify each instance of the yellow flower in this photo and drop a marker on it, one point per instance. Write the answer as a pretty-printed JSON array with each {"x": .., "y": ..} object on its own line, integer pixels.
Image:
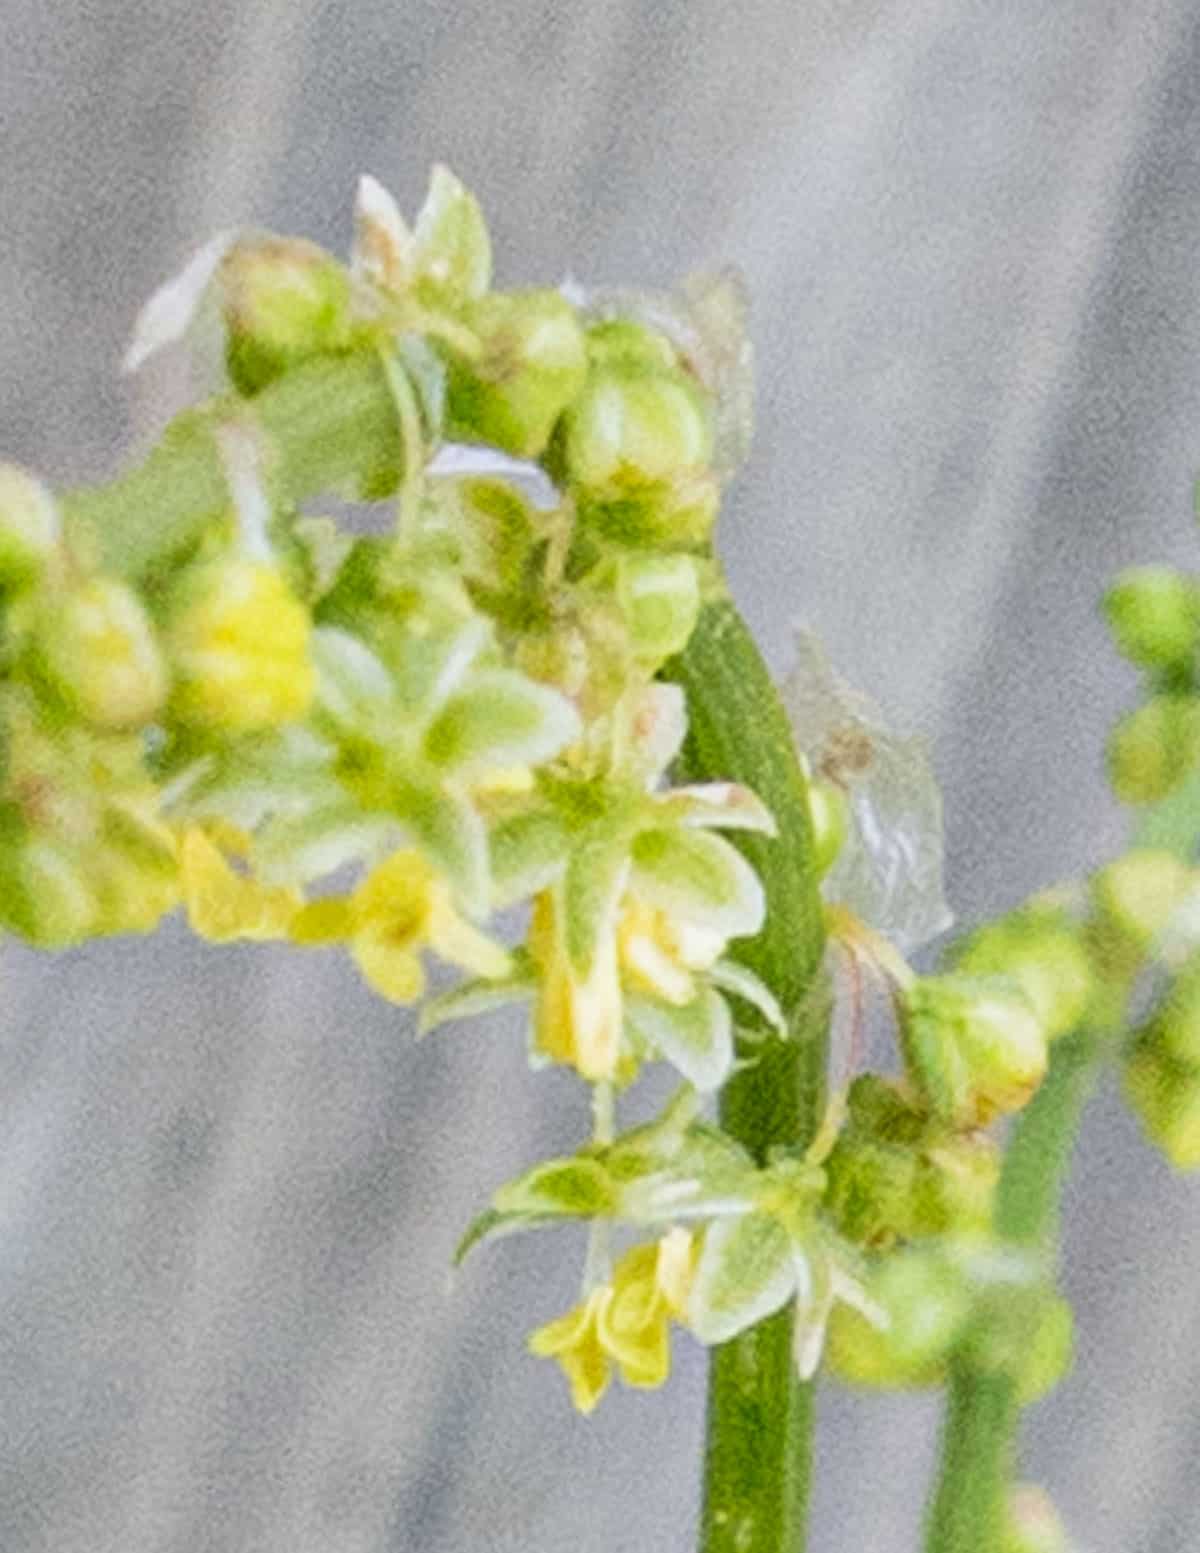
[
  {"x": 658, "y": 953},
  {"x": 223, "y": 904},
  {"x": 399, "y": 909},
  {"x": 625, "y": 1322},
  {"x": 577, "y": 1020}
]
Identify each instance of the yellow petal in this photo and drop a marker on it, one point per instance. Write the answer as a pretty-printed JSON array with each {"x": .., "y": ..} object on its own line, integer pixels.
[
  {"x": 653, "y": 968},
  {"x": 457, "y": 941},
  {"x": 675, "y": 1265},
  {"x": 326, "y": 921},
  {"x": 597, "y": 1014},
  {"x": 574, "y": 1341},
  {"x": 565, "y": 1331},
  {"x": 396, "y": 897},
  {"x": 587, "y": 1372},
  {"x": 224, "y": 905},
  {"x": 391, "y": 970}
]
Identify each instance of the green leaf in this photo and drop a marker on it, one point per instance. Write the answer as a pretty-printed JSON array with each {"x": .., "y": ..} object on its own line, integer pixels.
[
  {"x": 697, "y": 1038},
  {"x": 746, "y": 1272},
  {"x": 500, "y": 719},
  {"x": 699, "y": 878},
  {"x": 453, "y": 249}
]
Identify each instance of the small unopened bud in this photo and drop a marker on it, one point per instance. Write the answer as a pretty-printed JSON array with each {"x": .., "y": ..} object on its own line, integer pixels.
[
  {"x": 532, "y": 366},
  {"x": 1043, "y": 953},
  {"x": 639, "y": 446},
  {"x": 1165, "y": 1096},
  {"x": 973, "y": 1044},
  {"x": 870, "y": 1190},
  {"x": 926, "y": 1305},
  {"x": 45, "y": 895},
  {"x": 29, "y": 527},
  {"x": 239, "y": 643},
  {"x": 1136, "y": 896},
  {"x": 955, "y": 1186},
  {"x": 659, "y": 596},
  {"x": 98, "y": 649},
  {"x": 284, "y": 300},
  {"x": 1033, "y": 1524},
  {"x": 625, "y": 342},
  {"x": 1154, "y": 615},
  {"x": 1151, "y": 750}
]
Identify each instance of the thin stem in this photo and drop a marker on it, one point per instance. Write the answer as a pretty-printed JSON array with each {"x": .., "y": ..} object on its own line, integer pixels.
[{"x": 758, "y": 1450}]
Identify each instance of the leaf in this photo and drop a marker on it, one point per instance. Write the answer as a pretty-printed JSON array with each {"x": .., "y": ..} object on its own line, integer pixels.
[
  {"x": 500, "y": 719},
  {"x": 746, "y": 1271},
  {"x": 695, "y": 1038},
  {"x": 698, "y": 877},
  {"x": 452, "y": 247}
]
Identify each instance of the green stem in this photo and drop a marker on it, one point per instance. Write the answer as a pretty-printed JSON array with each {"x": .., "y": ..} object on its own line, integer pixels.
[
  {"x": 979, "y": 1431},
  {"x": 332, "y": 424},
  {"x": 759, "y": 1442}
]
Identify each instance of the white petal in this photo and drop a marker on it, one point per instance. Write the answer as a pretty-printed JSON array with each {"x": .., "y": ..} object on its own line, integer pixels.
[
  {"x": 457, "y": 458},
  {"x": 168, "y": 314},
  {"x": 383, "y": 245}
]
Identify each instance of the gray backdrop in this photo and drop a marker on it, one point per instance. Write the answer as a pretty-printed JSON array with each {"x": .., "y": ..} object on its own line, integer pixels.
[{"x": 229, "y": 1182}]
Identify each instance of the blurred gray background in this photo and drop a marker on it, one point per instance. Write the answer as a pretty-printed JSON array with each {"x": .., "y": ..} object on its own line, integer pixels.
[{"x": 229, "y": 1181}]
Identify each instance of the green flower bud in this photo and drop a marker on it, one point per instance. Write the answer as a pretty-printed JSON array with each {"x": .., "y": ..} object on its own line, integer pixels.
[
  {"x": 1175, "y": 1027},
  {"x": 927, "y": 1306},
  {"x": 624, "y": 342},
  {"x": 638, "y": 447},
  {"x": 1151, "y": 750},
  {"x": 98, "y": 649},
  {"x": 1165, "y": 1096},
  {"x": 1033, "y": 1524},
  {"x": 870, "y": 1189},
  {"x": 1136, "y": 896},
  {"x": 829, "y": 814},
  {"x": 532, "y": 366},
  {"x": 955, "y": 1186},
  {"x": 239, "y": 642},
  {"x": 45, "y": 895},
  {"x": 29, "y": 528},
  {"x": 659, "y": 597},
  {"x": 1042, "y": 952},
  {"x": 1154, "y": 616},
  {"x": 973, "y": 1045},
  {"x": 284, "y": 300}
]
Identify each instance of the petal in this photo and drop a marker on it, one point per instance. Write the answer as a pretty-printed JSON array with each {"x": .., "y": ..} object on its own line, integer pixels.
[
  {"x": 456, "y": 940},
  {"x": 328, "y": 921},
  {"x": 460, "y": 458},
  {"x": 384, "y": 250},
  {"x": 698, "y": 877},
  {"x": 735, "y": 978},
  {"x": 452, "y": 245},
  {"x": 395, "y": 974},
  {"x": 500, "y": 719},
  {"x": 746, "y": 1271},
  {"x": 675, "y": 1267},
  {"x": 718, "y": 806},
  {"x": 696, "y": 1039},
  {"x": 224, "y": 905},
  {"x": 168, "y": 314}
]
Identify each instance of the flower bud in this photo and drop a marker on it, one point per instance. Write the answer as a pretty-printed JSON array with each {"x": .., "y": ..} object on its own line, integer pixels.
[
  {"x": 1032, "y": 1524},
  {"x": 1136, "y": 896},
  {"x": 1041, "y": 951},
  {"x": 97, "y": 647},
  {"x": 659, "y": 597},
  {"x": 973, "y": 1045},
  {"x": 926, "y": 1304},
  {"x": 639, "y": 446},
  {"x": 955, "y": 1186},
  {"x": 239, "y": 641},
  {"x": 532, "y": 366},
  {"x": 45, "y": 895},
  {"x": 1151, "y": 750},
  {"x": 1176, "y": 1024},
  {"x": 1154, "y": 616},
  {"x": 870, "y": 1189},
  {"x": 625, "y": 342},
  {"x": 1165, "y": 1096},
  {"x": 29, "y": 528},
  {"x": 284, "y": 300}
]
